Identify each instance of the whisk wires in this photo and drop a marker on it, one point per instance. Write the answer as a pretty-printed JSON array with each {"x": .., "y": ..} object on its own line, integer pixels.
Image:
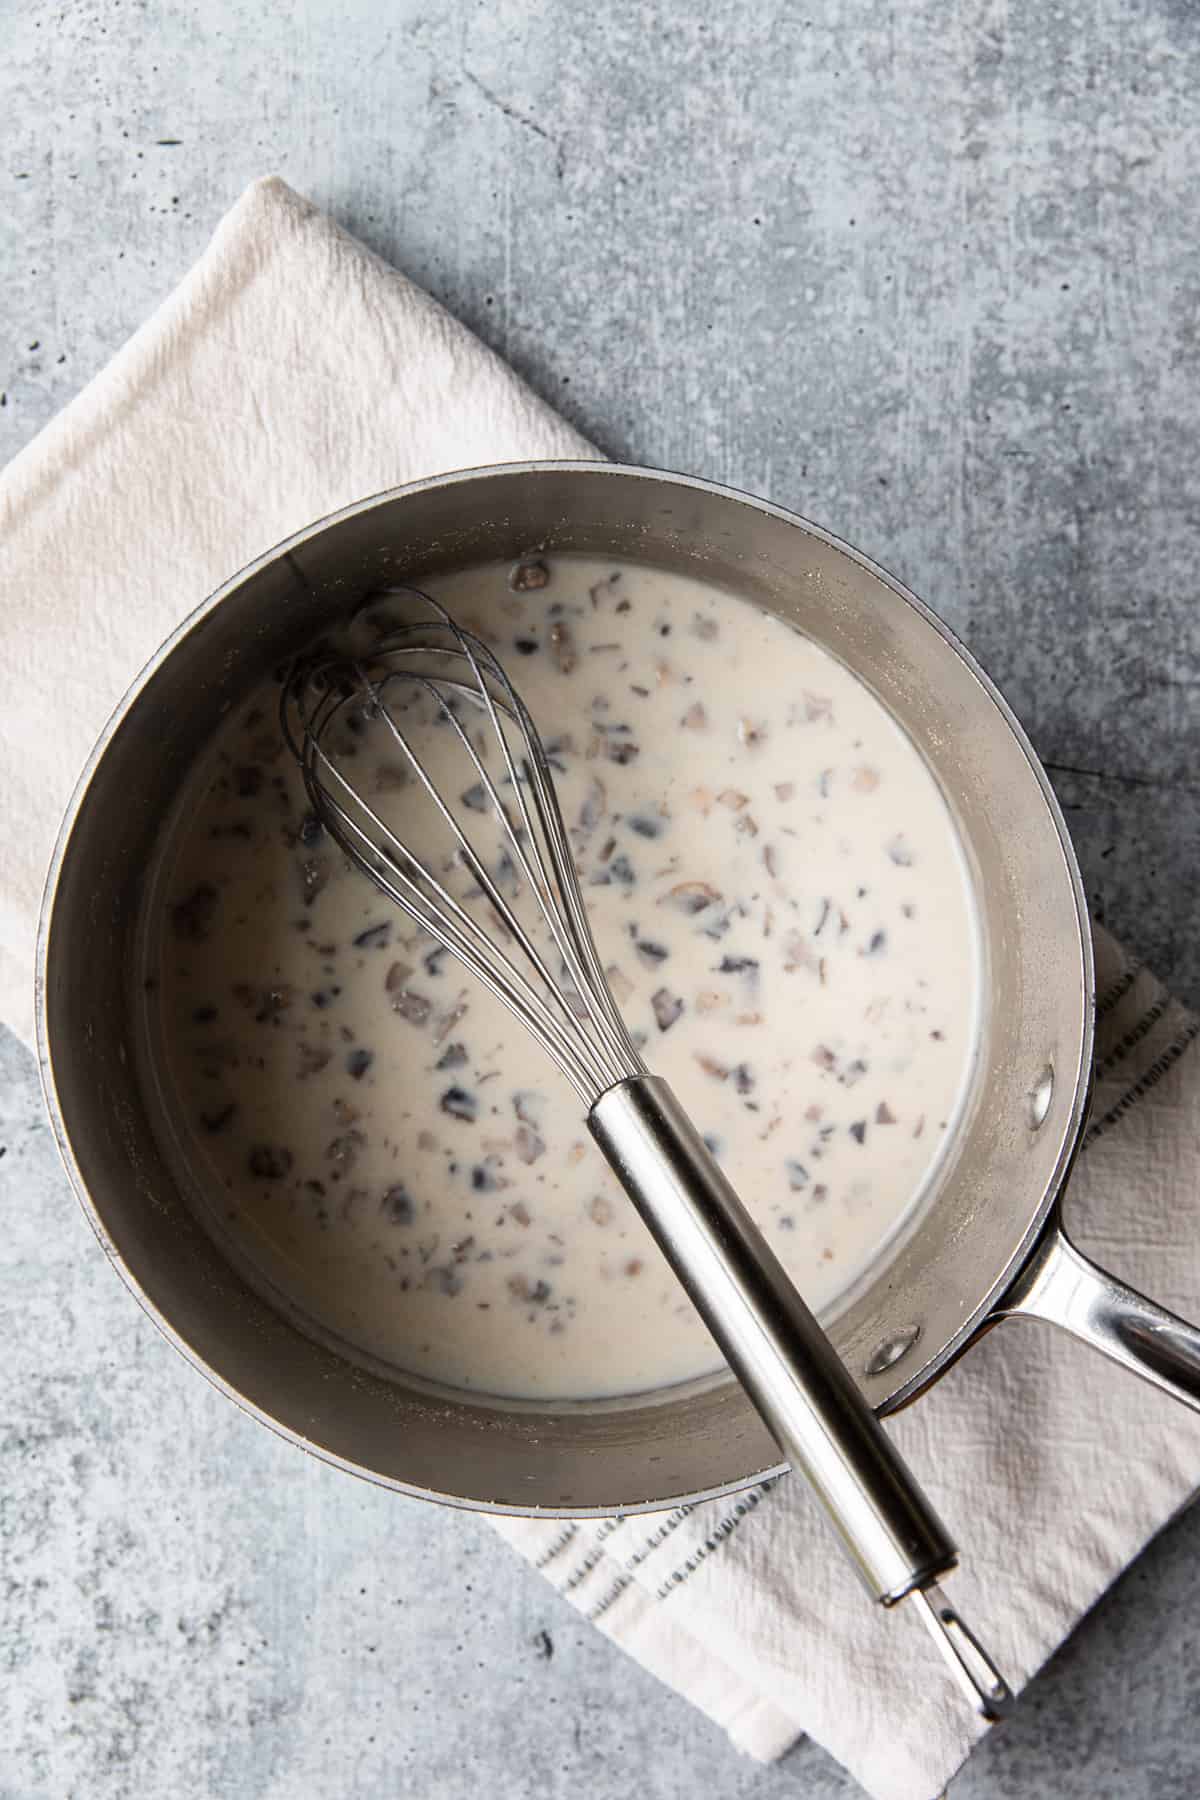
[{"x": 326, "y": 697}]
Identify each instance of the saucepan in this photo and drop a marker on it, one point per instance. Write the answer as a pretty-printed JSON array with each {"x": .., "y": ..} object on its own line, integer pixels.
[{"x": 988, "y": 1241}]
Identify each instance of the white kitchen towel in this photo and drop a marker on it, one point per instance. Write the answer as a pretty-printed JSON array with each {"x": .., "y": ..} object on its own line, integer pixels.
[{"x": 290, "y": 373}]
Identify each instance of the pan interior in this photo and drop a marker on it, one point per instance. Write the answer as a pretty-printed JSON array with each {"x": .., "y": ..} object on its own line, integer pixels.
[
  {"x": 911, "y": 1310},
  {"x": 357, "y": 1119}
]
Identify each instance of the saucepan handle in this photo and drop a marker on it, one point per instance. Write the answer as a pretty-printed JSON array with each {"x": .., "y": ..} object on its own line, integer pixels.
[{"x": 1060, "y": 1284}]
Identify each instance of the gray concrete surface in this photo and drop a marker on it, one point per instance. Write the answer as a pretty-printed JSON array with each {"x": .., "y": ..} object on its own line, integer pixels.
[{"x": 929, "y": 273}]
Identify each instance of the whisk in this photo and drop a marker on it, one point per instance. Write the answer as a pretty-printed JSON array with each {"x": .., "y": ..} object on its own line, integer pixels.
[{"x": 559, "y": 992}]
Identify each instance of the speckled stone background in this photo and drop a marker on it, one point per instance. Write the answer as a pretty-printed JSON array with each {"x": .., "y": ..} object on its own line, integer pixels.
[{"x": 929, "y": 273}]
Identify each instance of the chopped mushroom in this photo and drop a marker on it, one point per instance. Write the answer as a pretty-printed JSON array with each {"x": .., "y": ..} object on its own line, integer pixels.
[
  {"x": 528, "y": 576},
  {"x": 690, "y": 897},
  {"x": 667, "y": 1008}
]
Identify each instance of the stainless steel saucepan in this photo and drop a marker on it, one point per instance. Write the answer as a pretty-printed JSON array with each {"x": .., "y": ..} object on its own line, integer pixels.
[{"x": 987, "y": 1244}]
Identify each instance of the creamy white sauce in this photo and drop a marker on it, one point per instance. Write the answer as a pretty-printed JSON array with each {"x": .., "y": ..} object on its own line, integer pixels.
[{"x": 775, "y": 882}]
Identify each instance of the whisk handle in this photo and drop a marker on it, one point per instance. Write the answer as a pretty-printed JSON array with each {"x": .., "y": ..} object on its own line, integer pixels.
[
  {"x": 802, "y": 1389},
  {"x": 772, "y": 1342}
]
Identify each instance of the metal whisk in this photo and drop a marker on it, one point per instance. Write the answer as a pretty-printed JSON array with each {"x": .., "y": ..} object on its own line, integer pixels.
[{"x": 767, "y": 1334}]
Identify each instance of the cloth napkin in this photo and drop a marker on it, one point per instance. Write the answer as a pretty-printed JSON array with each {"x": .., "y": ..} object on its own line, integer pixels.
[{"x": 292, "y": 372}]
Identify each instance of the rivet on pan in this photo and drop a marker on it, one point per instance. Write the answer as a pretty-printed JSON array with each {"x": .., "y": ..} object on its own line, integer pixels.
[
  {"x": 892, "y": 1349},
  {"x": 1040, "y": 1096}
]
